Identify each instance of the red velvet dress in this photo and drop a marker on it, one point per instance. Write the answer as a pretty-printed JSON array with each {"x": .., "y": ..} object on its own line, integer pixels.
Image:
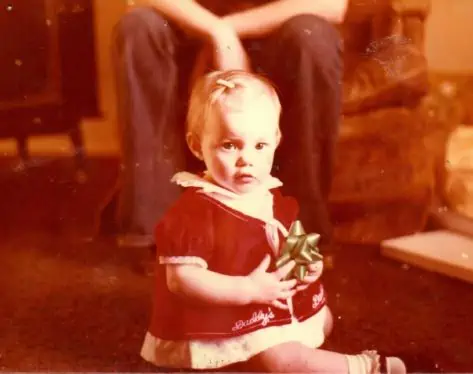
[{"x": 200, "y": 229}]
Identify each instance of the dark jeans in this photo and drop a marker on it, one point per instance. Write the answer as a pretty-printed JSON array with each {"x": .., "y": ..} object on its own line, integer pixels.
[{"x": 153, "y": 60}]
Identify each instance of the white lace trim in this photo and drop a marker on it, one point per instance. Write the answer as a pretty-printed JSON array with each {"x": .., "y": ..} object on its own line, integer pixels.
[
  {"x": 183, "y": 260},
  {"x": 186, "y": 179},
  {"x": 258, "y": 204},
  {"x": 215, "y": 353}
]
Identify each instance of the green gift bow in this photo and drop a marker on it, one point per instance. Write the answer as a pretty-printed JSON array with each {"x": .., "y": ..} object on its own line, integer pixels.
[{"x": 300, "y": 247}]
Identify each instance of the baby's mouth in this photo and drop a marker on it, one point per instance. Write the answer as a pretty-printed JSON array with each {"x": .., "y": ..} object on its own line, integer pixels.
[{"x": 245, "y": 178}]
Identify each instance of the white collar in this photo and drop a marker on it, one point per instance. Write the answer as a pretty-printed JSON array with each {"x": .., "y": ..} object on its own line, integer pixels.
[
  {"x": 186, "y": 179},
  {"x": 258, "y": 204}
]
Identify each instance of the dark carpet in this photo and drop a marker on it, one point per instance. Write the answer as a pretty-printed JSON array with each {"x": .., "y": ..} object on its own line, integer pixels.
[{"x": 70, "y": 301}]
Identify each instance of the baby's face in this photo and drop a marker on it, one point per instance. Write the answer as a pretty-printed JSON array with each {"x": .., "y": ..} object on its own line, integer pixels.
[{"x": 238, "y": 146}]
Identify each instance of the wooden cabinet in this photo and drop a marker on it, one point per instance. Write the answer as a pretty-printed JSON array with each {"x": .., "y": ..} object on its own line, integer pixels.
[{"x": 47, "y": 69}]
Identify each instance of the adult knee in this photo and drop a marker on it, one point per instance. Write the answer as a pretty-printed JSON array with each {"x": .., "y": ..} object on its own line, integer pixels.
[
  {"x": 144, "y": 25},
  {"x": 314, "y": 36}
]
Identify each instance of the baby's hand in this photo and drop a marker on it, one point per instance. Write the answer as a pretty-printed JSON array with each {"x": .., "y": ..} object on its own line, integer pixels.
[
  {"x": 314, "y": 273},
  {"x": 269, "y": 288}
]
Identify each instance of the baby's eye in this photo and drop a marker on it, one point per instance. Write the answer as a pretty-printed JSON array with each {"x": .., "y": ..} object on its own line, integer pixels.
[
  {"x": 260, "y": 146},
  {"x": 228, "y": 145}
]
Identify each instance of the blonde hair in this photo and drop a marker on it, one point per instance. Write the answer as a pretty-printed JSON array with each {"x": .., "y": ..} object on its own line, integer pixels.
[{"x": 226, "y": 88}]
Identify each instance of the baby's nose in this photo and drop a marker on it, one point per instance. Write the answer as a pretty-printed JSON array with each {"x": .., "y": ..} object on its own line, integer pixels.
[
  {"x": 242, "y": 161},
  {"x": 245, "y": 158}
]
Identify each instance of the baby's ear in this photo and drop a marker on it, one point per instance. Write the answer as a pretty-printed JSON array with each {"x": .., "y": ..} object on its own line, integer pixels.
[
  {"x": 278, "y": 138},
  {"x": 194, "y": 144}
]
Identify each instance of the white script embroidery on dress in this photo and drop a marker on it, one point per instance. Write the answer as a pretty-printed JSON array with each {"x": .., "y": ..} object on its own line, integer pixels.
[
  {"x": 318, "y": 298},
  {"x": 257, "y": 317}
]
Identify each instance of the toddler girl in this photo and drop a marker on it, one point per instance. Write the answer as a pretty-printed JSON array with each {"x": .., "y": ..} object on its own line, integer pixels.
[{"x": 219, "y": 298}]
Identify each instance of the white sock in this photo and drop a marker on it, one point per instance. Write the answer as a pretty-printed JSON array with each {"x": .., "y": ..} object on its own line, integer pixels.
[{"x": 362, "y": 364}]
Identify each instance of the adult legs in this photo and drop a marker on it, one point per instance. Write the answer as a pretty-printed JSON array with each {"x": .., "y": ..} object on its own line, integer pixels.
[
  {"x": 145, "y": 50},
  {"x": 303, "y": 59}
]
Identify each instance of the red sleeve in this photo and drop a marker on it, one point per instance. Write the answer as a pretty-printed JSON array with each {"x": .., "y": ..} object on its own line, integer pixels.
[{"x": 186, "y": 229}]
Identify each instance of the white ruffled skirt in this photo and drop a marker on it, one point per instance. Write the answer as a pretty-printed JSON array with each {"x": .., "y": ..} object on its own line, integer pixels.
[{"x": 216, "y": 353}]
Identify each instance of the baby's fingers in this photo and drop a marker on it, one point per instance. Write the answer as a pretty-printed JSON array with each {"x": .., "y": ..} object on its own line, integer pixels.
[
  {"x": 278, "y": 304},
  {"x": 284, "y": 270},
  {"x": 310, "y": 278},
  {"x": 302, "y": 287},
  {"x": 287, "y": 294},
  {"x": 316, "y": 267},
  {"x": 289, "y": 284}
]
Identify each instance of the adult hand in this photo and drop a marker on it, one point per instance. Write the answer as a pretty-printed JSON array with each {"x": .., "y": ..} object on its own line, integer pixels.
[
  {"x": 228, "y": 52},
  {"x": 269, "y": 288},
  {"x": 313, "y": 274},
  {"x": 224, "y": 52}
]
